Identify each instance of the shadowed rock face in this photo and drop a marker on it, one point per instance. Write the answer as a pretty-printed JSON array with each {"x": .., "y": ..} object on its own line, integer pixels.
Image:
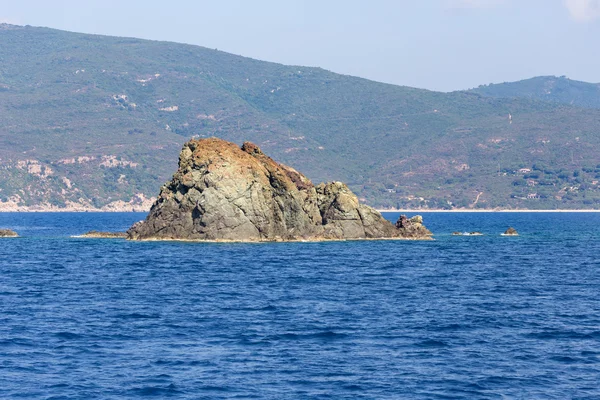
[
  {"x": 223, "y": 192},
  {"x": 412, "y": 227}
]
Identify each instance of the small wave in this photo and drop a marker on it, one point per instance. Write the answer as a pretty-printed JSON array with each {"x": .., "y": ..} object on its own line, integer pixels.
[
  {"x": 564, "y": 335},
  {"x": 169, "y": 362},
  {"x": 497, "y": 380},
  {"x": 138, "y": 316},
  {"x": 329, "y": 335},
  {"x": 18, "y": 342},
  {"x": 588, "y": 353},
  {"x": 68, "y": 335},
  {"x": 326, "y": 335},
  {"x": 211, "y": 388},
  {"x": 59, "y": 386},
  {"x": 453, "y": 327},
  {"x": 432, "y": 343},
  {"x": 353, "y": 387},
  {"x": 565, "y": 359},
  {"x": 156, "y": 391},
  {"x": 526, "y": 357},
  {"x": 31, "y": 228}
]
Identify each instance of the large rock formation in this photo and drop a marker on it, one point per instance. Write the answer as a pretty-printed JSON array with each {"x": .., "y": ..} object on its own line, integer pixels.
[{"x": 223, "y": 192}]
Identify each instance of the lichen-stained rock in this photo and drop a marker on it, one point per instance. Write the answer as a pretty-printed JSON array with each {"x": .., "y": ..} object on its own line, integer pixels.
[
  {"x": 223, "y": 192},
  {"x": 511, "y": 232}
]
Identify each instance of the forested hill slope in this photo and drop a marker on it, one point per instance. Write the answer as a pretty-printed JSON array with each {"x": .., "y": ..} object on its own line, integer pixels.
[
  {"x": 94, "y": 120},
  {"x": 547, "y": 88}
]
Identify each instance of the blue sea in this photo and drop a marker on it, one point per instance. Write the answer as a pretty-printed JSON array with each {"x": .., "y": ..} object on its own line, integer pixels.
[{"x": 482, "y": 317}]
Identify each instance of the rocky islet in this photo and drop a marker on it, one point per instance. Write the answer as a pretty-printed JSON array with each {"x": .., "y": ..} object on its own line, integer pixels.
[
  {"x": 222, "y": 192},
  {"x": 7, "y": 233}
]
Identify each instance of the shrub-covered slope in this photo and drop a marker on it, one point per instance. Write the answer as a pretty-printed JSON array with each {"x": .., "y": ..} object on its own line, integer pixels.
[
  {"x": 88, "y": 119},
  {"x": 560, "y": 90}
]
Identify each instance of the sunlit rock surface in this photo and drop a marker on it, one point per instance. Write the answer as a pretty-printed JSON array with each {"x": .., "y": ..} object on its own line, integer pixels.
[{"x": 222, "y": 192}]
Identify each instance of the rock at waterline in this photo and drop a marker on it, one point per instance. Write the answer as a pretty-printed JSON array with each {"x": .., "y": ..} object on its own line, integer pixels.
[
  {"x": 103, "y": 235},
  {"x": 511, "y": 232},
  {"x": 222, "y": 192},
  {"x": 412, "y": 227},
  {"x": 7, "y": 233}
]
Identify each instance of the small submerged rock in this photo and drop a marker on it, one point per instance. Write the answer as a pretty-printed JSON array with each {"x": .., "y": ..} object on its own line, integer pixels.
[
  {"x": 475, "y": 233},
  {"x": 103, "y": 235},
  {"x": 7, "y": 233},
  {"x": 510, "y": 232}
]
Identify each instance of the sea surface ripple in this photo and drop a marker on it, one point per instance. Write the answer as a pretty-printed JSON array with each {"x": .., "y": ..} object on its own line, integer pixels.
[{"x": 484, "y": 317}]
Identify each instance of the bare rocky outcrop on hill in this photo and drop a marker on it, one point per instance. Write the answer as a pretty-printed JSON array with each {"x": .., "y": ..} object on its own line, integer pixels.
[{"x": 223, "y": 192}]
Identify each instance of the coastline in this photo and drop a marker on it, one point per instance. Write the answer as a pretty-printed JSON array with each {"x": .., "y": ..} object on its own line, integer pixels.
[
  {"x": 72, "y": 210},
  {"x": 139, "y": 209},
  {"x": 488, "y": 211},
  {"x": 138, "y": 203}
]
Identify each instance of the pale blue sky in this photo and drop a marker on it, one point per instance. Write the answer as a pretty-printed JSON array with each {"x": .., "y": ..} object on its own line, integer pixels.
[{"x": 434, "y": 44}]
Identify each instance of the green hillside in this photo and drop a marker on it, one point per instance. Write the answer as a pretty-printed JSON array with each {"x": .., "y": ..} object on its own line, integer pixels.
[
  {"x": 92, "y": 119},
  {"x": 547, "y": 88}
]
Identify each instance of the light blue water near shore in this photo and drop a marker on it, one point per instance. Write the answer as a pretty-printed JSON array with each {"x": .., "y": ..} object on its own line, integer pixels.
[{"x": 485, "y": 317}]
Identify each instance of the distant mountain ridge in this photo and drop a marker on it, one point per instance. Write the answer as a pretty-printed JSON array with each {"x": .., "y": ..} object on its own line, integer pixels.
[
  {"x": 89, "y": 121},
  {"x": 547, "y": 88}
]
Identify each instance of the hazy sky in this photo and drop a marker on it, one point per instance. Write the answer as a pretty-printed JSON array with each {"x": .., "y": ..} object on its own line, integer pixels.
[{"x": 434, "y": 44}]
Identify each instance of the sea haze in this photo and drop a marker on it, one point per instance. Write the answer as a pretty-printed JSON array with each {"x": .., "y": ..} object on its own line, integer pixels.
[{"x": 487, "y": 317}]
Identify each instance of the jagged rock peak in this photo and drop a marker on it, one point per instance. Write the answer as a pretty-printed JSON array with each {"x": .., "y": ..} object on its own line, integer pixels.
[{"x": 223, "y": 192}]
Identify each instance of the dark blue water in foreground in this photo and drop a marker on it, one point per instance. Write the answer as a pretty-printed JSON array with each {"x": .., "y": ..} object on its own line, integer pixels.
[{"x": 457, "y": 318}]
